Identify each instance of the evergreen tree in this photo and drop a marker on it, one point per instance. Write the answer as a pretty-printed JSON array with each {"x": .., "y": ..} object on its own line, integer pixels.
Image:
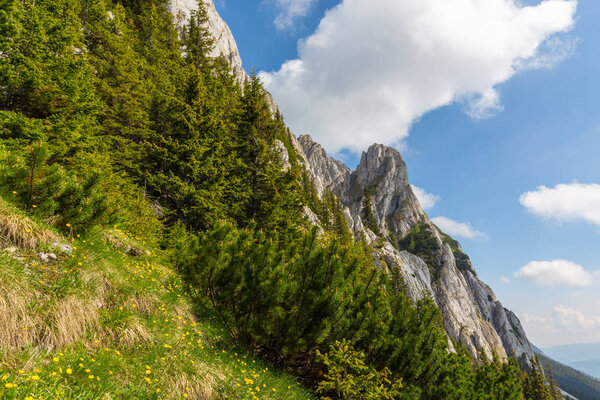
[
  {"x": 271, "y": 197},
  {"x": 48, "y": 190},
  {"x": 125, "y": 93},
  {"x": 197, "y": 40},
  {"x": 534, "y": 382},
  {"x": 367, "y": 212},
  {"x": 347, "y": 376}
]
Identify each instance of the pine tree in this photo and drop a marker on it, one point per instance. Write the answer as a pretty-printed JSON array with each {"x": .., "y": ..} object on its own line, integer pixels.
[
  {"x": 45, "y": 189},
  {"x": 197, "y": 40},
  {"x": 124, "y": 90},
  {"x": 271, "y": 197},
  {"x": 534, "y": 382},
  {"x": 367, "y": 212},
  {"x": 45, "y": 77},
  {"x": 553, "y": 386}
]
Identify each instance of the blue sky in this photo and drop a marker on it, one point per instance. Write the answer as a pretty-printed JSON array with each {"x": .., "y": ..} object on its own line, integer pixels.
[{"x": 544, "y": 131}]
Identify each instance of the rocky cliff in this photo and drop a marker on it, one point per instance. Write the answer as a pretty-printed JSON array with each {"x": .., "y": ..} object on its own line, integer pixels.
[
  {"x": 472, "y": 315},
  {"x": 440, "y": 270}
]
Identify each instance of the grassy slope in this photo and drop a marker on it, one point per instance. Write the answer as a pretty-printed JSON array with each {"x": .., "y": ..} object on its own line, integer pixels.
[{"x": 101, "y": 324}]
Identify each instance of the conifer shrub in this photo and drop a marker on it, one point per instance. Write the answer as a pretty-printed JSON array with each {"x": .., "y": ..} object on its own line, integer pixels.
[
  {"x": 284, "y": 301},
  {"x": 289, "y": 302},
  {"x": 421, "y": 242},
  {"x": 367, "y": 212},
  {"x": 68, "y": 201},
  {"x": 347, "y": 376}
]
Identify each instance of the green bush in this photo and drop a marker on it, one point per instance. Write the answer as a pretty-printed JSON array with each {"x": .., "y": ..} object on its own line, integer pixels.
[
  {"x": 69, "y": 202},
  {"x": 283, "y": 301},
  {"x": 349, "y": 377}
]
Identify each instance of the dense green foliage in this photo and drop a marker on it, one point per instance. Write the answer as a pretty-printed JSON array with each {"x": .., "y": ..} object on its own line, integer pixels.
[
  {"x": 72, "y": 202},
  {"x": 290, "y": 302},
  {"x": 420, "y": 242},
  {"x": 349, "y": 377},
  {"x": 108, "y": 117}
]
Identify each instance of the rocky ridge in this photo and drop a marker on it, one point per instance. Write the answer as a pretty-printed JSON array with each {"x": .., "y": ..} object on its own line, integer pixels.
[{"x": 471, "y": 313}]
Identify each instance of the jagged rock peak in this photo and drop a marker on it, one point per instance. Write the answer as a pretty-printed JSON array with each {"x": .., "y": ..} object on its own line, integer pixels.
[
  {"x": 328, "y": 172},
  {"x": 383, "y": 170}
]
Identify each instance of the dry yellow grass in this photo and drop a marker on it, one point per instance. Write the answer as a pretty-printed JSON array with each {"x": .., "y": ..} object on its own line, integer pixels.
[
  {"x": 72, "y": 316},
  {"x": 18, "y": 326},
  {"x": 132, "y": 333},
  {"x": 16, "y": 229},
  {"x": 146, "y": 303},
  {"x": 202, "y": 385}
]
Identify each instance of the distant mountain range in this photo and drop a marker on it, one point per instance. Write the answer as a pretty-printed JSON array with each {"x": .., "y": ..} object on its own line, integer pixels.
[{"x": 582, "y": 356}]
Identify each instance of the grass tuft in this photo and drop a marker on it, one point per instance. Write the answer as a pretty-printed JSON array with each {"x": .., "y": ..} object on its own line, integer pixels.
[{"x": 20, "y": 231}]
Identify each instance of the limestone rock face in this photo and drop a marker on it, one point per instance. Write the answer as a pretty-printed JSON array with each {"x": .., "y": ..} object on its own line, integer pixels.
[
  {"x": 328, "y": 173},
  {"x": 413, "y": 270},
  {"x": 504, "y": 321},
  {"x": 461, "y": 315}
]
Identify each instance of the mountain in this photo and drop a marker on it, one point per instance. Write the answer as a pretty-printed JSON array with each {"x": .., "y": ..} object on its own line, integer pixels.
[
  {"x": 572, "y": 381},
  {"x": 472, "y": 314},
  {"x": 590, "y": 367},
  {"x": 582, "y": 356}
]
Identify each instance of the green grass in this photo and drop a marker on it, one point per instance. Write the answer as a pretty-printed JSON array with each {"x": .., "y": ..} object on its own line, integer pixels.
[{"x": 102, "y": 324}]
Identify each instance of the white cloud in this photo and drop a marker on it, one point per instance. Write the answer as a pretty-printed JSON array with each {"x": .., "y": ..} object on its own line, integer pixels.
[
  {"x": 565, "y": 202},
  {"x": 289, "y": 11},
  {"x": 556, "y": 272},
  {"x": 563, "y": 325},
  {"x": 373, "y": 67},
  {"x": 484, "y": 105},
  {"x": 573, "y": 319},
  {"x": 504, "y": 279},
  {"x": 526, "y": 317},
  {"x": 427, "y": 200},
  {"x": 461, "y": 229}
]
